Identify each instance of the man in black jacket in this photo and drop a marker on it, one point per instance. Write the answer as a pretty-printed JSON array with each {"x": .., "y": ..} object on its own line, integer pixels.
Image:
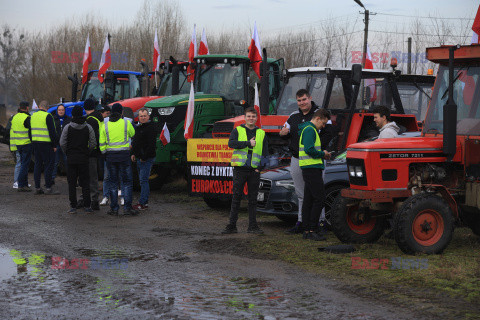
[
  {"x": 94, "y": 119},
  {"x": 77, "y": 141},
  {"x": 143, "y": 151},
  {"x": 61, "y": 120}
]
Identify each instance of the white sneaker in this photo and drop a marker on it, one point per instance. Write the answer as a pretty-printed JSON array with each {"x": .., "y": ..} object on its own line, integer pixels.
[
  {"x": 122, "y": 201},
  {"x": 119, "y": 193},
  {"x": 104, "y": 201},
  {"x": 15, "y": 185}
]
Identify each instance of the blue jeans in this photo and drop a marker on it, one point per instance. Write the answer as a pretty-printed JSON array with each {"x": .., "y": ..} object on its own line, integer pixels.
[
  {"x": 106, "y": 186},
  {"x": 58, "y": 154},
  {"x": 144, "y": 168},
  {"x": 44, "y": 158},
  {"x": 25, "y": 152},
  {"x": 17, "y": 166},
  {"x": 116, "y": 171}
]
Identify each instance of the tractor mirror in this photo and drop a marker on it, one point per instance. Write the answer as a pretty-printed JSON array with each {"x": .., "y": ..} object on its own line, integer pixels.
[{"x": 356, "y": 74}]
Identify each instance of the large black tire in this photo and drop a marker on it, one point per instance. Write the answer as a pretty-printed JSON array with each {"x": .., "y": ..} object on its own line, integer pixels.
[
  {"x": 424, "y": 223},
  {"x": 287, "y": 218},
  {"x": 331, "y": 194},
  {"x": 348, "y": 229},
  {"x": 158, "y": 177},
  {"x": 218, "y": 202}
]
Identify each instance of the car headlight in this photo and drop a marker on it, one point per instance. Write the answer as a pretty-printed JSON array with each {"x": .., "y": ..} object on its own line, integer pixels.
[
  {"x": 358, "y": 172},
  {"x": 287, "y": 184},
  {"x": 166, "y": 111}
]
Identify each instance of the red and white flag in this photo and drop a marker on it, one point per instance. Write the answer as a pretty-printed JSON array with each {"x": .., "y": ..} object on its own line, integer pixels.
[
  {"x": 257, "y": 108},
  {"x": 370, "y": 83},
  {"x": 255, "y": 51},
  {"x": 34, "y": 105},
  {"x": 106, "y": 60},
  {"x": 188, "y": 126},
  {"x": 203, "y": 49},
  {"x": 192, "y": 52},
  {"x": 87, "y": 59},
  {"x": 476, "y": 27},
  {"x": 165, "y": 135},
  {"x": 156, "y": 53}
]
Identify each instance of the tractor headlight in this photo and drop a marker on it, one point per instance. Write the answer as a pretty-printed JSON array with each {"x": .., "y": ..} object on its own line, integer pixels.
[
  {"x": 358, "y": 172},
  {"x": 166, "y": 111},
  {"x": 287, "y": 184},
  {"x": 351, "y": 171}
]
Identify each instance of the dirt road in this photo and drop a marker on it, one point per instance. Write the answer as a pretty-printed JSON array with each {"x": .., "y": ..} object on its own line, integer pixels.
[{"x": 170, "y": 262}]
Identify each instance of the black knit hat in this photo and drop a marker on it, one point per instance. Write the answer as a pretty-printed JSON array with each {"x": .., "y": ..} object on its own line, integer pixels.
[
  {"x": 77, "y": 112},
  {"x": 89, "y": 104},
  {"x": 117, "y": 107}
]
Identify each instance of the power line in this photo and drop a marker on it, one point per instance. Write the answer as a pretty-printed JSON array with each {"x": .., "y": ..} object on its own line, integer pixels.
[
  {"x": 314, "y": 40},
  {"x": 424, "y": 17},
  {"x": 420, "y": 34},
  {"x": 303, "y": 25}
]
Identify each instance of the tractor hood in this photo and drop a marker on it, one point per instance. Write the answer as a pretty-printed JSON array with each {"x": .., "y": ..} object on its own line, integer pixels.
[
  {"x": 400, "y": 144},
  {"x": 270, "y": 123},
  {"x": 182, "y": 99},
  {"x": 135, "y": 103},
  {"x": 68, "y": 107}
]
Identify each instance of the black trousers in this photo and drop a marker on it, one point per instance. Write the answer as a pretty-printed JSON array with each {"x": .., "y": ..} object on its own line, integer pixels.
[
  {"x": 313, "y": 198},
  {"x": 252, "y": 178},
  {"x": 78, "y": 171}
]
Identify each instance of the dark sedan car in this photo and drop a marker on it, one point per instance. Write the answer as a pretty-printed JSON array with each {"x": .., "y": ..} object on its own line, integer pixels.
[{"x": 277, "y": 194}]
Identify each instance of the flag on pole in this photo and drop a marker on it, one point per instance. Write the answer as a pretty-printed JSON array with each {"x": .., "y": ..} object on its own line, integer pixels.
[
  {"x": 370, "y": 83},
  {"x": 87, "y": 59},
  {"x": 257, "y": 108},
  {"x": 34, "y": 105},
  {"x": 192, "y": 52},
  {"x": 106, "y": 60},
  {"x": 156, "y": 53},
  {"x": 476, "y": 27},
  {"x": 203, "y": 49},
  {"x": 255, "y": 51},
  {"x": 188, "y": 126},
  {"x": 165, "y": 135}
]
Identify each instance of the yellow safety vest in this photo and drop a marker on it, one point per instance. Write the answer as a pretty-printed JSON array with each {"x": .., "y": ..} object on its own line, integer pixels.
[
  {"x": 303, "y": 157},
  {"x": 38, "y": 124},
  {"x": 18, "y": 132},
  {"x": 115, "y": 136},
  {"x": 240, "y": 156}
]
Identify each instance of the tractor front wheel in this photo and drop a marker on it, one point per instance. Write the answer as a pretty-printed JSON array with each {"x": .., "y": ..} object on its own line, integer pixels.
[
  {"x": 424, "y": 223},
  {"x": 352, "y": 225}
]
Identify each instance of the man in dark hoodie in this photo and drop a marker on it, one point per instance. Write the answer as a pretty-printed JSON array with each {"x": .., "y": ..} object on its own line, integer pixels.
[
  {"x": 115, "y": 138},
  {"x": 44, "y": 143},
  {"x": 77, "y": 141},
  {"x": 95, "y": 120},
  {"x": 143, "y": 151},
  {"x": 251, "y": 146}
]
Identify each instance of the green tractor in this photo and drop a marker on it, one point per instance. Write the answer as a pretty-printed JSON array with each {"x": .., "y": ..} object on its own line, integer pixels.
[{"x": 224, "y": 87}]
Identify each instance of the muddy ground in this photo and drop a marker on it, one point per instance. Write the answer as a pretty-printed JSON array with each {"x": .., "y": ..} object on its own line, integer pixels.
[{"x": 170, "y": 262}]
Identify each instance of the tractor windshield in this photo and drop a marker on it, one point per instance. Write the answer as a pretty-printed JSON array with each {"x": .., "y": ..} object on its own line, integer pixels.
[
  {"x": 415, "y": 98},
  {"x": 223, "y": 79},
  {"x": 93, "y": 89},
  {"x": 165, "y": 87},
  {"x": 315, "y": 83},
  {"x": 465, "y": 95}
]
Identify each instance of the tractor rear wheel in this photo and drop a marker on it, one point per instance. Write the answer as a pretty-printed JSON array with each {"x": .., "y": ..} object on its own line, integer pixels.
[
  {"x": 424, "y": 223},
  {"x": 351, "y": 225}
]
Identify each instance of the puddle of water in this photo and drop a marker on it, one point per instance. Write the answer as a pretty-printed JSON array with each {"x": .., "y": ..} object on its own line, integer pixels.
[{"x": 8, "y": 267}]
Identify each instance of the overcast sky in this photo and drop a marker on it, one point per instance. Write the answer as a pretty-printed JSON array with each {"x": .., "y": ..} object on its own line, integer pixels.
[{"x": 272, "y": 16}]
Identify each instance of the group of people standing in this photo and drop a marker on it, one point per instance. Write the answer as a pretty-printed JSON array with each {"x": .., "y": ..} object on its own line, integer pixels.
[{"x": 82, "y": 142}]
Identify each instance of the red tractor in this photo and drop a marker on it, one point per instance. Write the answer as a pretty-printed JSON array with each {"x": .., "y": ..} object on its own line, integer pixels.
[{"x": 424, "y": 185}]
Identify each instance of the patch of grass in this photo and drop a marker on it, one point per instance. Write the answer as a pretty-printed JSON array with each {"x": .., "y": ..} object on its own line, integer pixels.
[{"x": 449, "y": 281}]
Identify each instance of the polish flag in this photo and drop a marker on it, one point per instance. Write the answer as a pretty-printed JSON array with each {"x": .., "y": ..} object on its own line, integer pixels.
[
  {"x": 370, "y": 83},
  {"x": 87, "y": 59},
  {"x": 34, "y": 105},
  {"x": 203, "y": 45},
  {"x": 188, "y": 125},
  {"x": 476, "y": 27},
  {"x": 192, "y": 52},
  {"x": 106, "y": 60},
  {"x": 165, "y": 135},
  {"x": 255, "y": 51},
  {"x": 257, "y": 108},
  {"x": 156, "y": 53}
]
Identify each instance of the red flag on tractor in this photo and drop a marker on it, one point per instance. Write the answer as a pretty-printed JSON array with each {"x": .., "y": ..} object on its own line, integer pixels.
[
  {"x": 192, "y": 52},
  {"x": 106, "y": 60},
  {"x": 188, "y": 126},
  {"x": 255, "y": 51},
  {"x": 203, "y": 49},
  {"x": 156, "y": 53},
  {"x": 165, "y": 135},
  {"x": 87, "y": 59},
  {"x": 370, "y": 83}
]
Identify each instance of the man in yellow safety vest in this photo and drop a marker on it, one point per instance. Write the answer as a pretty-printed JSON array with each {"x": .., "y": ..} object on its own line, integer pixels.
[
  {"x": 20, "y": 142},
  {"x": 251, "y": 146}
]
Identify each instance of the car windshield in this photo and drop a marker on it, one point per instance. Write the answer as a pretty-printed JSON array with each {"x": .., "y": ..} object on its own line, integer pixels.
[
  {"x": 316, "y": 84},
  {"x": 223, "y": 79},
  {"x": 464, "y": 88},
  {"x": 93, "y": 89}
]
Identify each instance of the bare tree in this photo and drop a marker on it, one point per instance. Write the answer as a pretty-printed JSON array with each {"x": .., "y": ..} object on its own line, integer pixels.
[{"x": 12, "y": 60}]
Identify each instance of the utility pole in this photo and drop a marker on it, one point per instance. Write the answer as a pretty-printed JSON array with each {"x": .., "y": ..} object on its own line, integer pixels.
[
  {"x": 409, "y": 64},
  {"x": 365, "y": 38}
]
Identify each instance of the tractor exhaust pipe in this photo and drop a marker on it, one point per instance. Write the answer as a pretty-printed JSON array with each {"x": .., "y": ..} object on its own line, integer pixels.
[
  {"x": 264, "y": 85},
  {"x": 175, "y": 76},
  {"x": 450, "y": 113}
]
